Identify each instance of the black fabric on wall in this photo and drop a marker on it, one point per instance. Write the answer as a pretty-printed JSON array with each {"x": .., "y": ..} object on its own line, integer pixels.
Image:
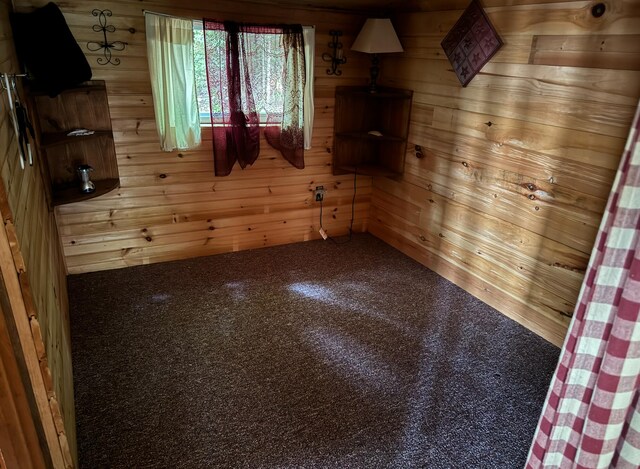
[{"x": 48, "y": 50}]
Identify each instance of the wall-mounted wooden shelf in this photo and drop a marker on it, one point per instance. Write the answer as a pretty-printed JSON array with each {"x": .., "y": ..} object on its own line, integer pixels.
[
  {"x": 82, "y": 107},
  {"x": 66, "y": 195},
  {"x": 367, "y": 170},
  {"x": 62, "y": 138},
  {"x": 358, "y": 114},
  {"x": 368, "y": 136}
]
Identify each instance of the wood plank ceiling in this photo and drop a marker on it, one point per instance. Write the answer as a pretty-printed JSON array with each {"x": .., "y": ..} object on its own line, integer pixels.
[
  {"x": 376, "y": 7},
  {"x": 349, "y": 5}
]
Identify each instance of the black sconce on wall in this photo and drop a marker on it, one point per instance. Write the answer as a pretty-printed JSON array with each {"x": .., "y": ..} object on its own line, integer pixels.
[{"x": 336, "y": 57}]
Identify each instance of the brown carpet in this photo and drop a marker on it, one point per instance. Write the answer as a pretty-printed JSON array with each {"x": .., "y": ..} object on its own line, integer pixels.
[{"x": 309, "y": 355}]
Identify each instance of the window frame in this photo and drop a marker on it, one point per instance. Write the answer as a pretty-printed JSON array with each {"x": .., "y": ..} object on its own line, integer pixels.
[{"x": 205, "y": 117}]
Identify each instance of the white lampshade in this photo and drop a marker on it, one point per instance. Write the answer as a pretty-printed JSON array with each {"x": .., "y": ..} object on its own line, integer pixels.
[{"x": 377, "y": 37}]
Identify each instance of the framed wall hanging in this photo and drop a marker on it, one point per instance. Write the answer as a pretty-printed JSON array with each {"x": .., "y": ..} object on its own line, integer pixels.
[{"x": 471, "y": 43}]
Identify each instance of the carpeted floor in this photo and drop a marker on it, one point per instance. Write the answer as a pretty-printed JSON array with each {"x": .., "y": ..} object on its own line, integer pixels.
[{"x": 309, "y": 355}]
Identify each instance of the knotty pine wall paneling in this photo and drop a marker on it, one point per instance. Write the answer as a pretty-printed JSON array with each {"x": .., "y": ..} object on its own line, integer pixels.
[
  {"x": 34, "y": 277},
  {"x": 516, "y": 168},
  {"x": 19, "y": 444},
  {"x": 170, "y": 205}
]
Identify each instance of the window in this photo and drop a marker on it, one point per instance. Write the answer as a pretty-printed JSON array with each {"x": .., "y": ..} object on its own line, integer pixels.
[
  {"x": 265, "y": 85},
  {"x": 265, "y": 64}
]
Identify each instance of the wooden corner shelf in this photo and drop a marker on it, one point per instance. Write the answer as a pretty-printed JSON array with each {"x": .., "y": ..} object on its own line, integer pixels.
[
  {"x": 87, "y": 86},
  {"x": 367, "y": 170},
  {"x": 83, "y": 107},
  {"x": 366, "y": 135},
  {"x": 62, "y": 138},
  {"x": 67, "y": 193},
  {"x": 359, "y": 112}
]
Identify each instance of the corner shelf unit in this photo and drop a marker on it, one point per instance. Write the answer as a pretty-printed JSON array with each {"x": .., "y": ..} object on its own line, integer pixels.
[
  {"x": 358, "y": 113},
  {"x": 82, "y": 107}
]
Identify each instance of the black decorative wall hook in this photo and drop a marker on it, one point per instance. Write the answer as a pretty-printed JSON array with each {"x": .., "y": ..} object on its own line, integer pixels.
[
  {"x": 335, "y": 57},
  {"x": 94, "y": 46}
]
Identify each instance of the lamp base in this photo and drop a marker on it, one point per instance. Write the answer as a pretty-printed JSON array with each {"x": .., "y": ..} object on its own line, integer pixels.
[{"x": 374, "y": 71}]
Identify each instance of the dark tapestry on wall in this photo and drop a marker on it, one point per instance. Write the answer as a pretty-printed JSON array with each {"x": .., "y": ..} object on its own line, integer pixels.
[
  {"x": 48, "y": 51},
  {"x": 471, "y": 43}
]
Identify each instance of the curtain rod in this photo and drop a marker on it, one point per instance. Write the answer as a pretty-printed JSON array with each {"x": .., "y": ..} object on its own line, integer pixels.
[
  {"x": 174, "y": 16},
  {"x": 161, "y": 14}
]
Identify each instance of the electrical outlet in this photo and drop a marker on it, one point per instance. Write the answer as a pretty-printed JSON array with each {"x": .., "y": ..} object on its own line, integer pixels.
[{"x": 318, "y": 194}]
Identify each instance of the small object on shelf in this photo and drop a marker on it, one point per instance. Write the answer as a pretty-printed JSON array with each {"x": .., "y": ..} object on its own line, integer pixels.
[
  {"x": 375, "y": 133},
  {"x": 86, "y": 186},
  {"x": 80, "y": 133}
]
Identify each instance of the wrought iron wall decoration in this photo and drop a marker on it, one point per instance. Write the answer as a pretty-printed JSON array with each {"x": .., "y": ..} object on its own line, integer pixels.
[
  {"x": 335, "y": 57},
  {"x": 94, "y": 46},
  {"x": 471, "y": 43}
]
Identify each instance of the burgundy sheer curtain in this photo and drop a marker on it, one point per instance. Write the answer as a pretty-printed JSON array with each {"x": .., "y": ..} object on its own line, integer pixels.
[
  {"x": 255, "y": 74},
  {"x": 288, "y": 136}
]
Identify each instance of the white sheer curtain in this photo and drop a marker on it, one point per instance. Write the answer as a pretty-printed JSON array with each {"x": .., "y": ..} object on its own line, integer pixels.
[
  {"x": 309, "y": 34},
  {"x": 170, "y": 55}
]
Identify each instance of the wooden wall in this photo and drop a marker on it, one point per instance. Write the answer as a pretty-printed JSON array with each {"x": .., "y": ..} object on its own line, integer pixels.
[
  {"x": 19, "y": 444},
  {"x": 505, "y": 200},
  {"x": 35, "y": 257},
  {"x": 517, "y": 167},
  {"x": 170, "y": 205}
]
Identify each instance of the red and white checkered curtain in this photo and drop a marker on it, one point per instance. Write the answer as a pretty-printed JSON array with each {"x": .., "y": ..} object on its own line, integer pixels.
[{"x": 591, "y": 418}]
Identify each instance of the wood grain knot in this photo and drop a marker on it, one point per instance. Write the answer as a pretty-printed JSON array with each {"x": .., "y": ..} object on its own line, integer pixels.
[
  {"x": 598, "y": 10},
  {"x": 531, "y": 187},
  {"x": 465, "y": 164},
  {"x": 488, "y": 124},
  {"x": 532, "y": 197},
  {"x": 148, "y": 238},
  {"x": 162, "y": 176}
]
